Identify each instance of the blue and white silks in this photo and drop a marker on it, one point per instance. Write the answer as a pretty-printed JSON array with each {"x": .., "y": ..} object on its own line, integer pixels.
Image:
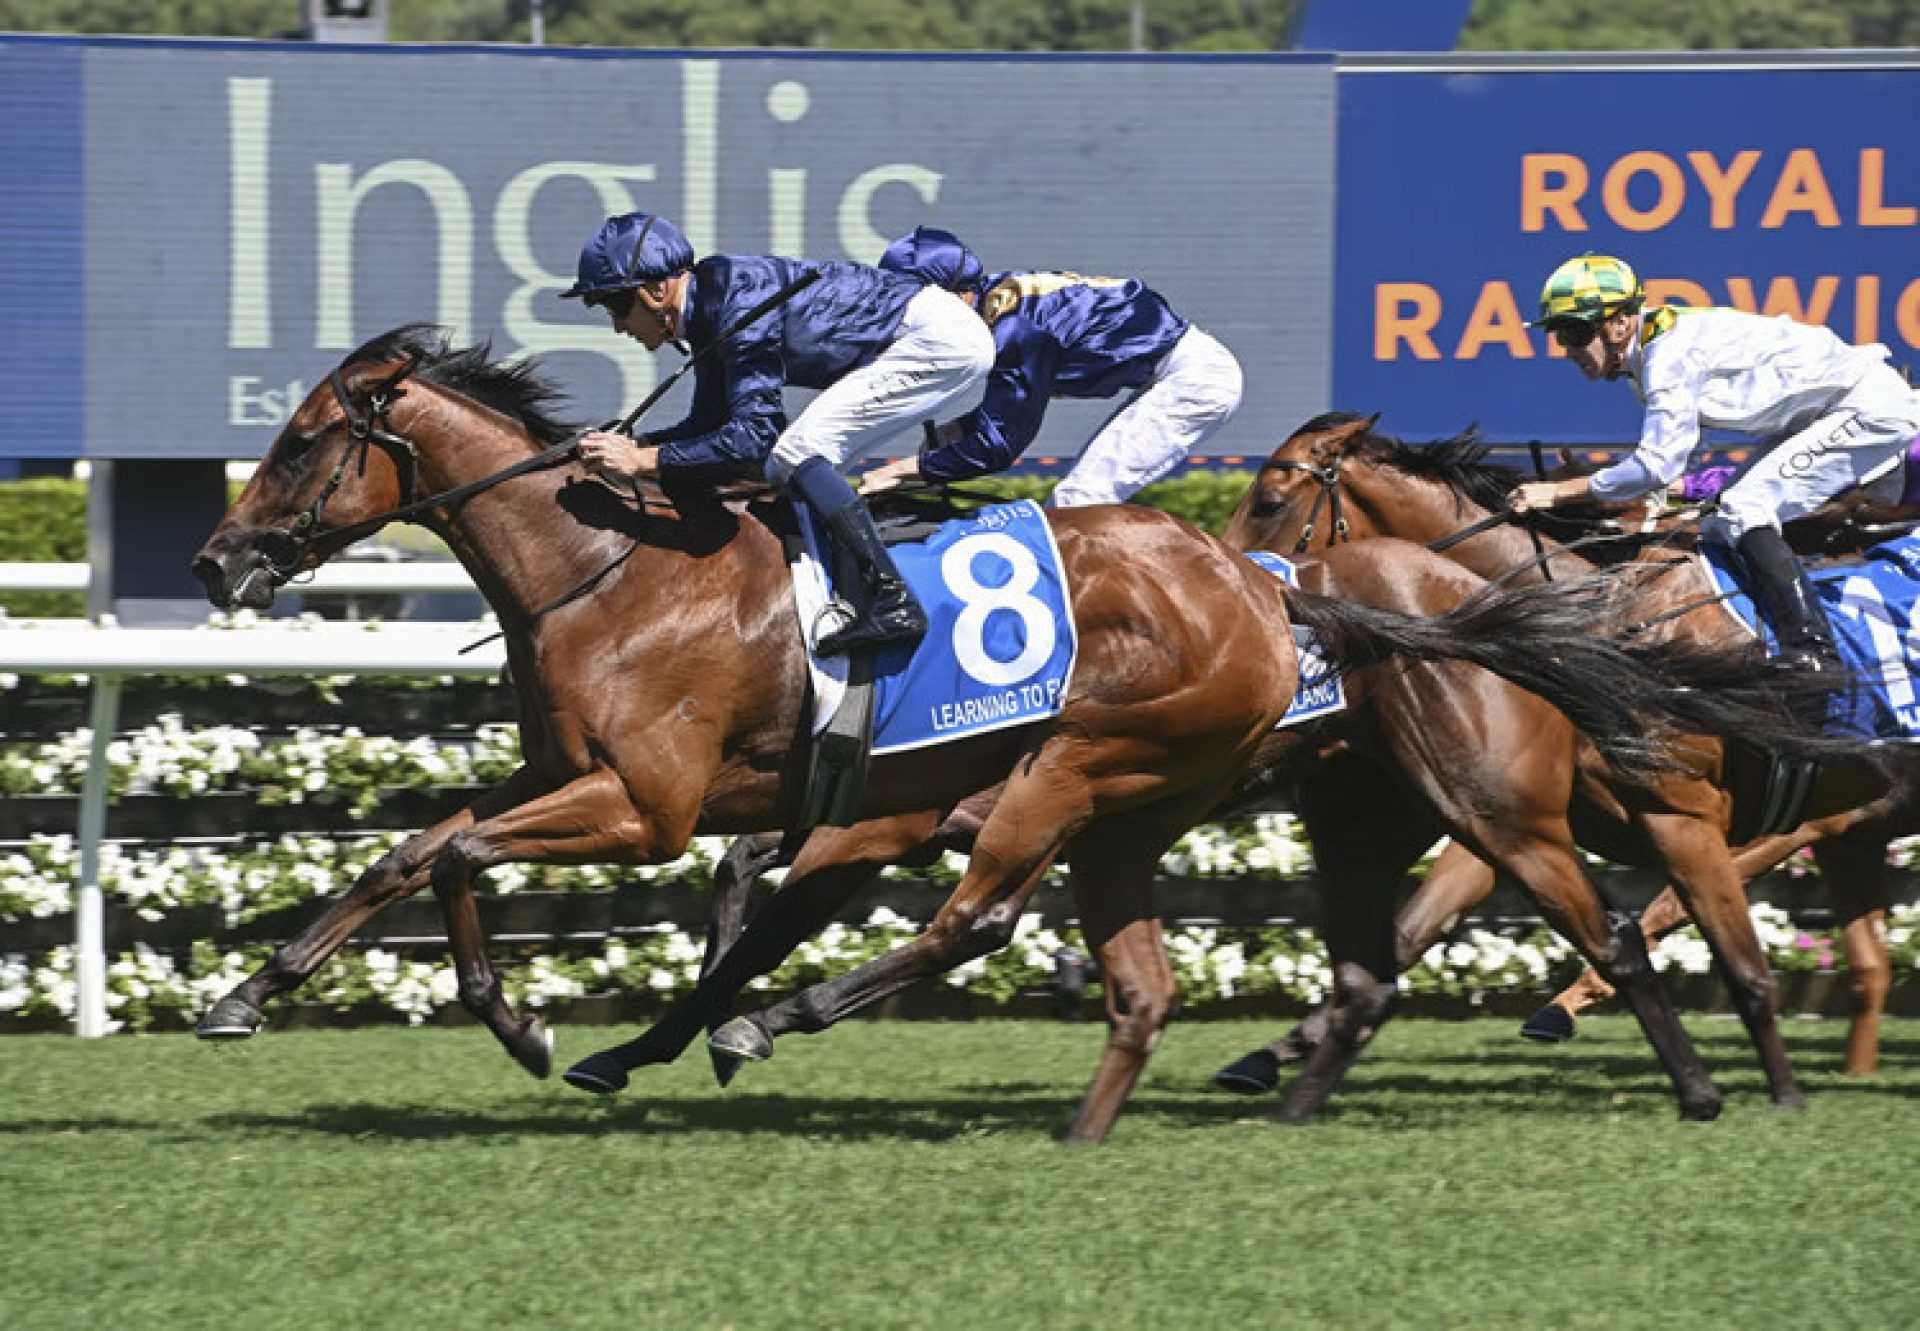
[
  {"x": 1000, "y": 642},
  {"x": 1872, "y": 608}
]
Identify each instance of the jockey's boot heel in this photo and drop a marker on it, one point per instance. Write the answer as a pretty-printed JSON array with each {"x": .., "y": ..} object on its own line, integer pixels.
[{"x": 891, "y": 615}]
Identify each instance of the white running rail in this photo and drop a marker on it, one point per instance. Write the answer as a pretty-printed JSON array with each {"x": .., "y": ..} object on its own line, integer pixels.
[{"x": 109, "y": 654}]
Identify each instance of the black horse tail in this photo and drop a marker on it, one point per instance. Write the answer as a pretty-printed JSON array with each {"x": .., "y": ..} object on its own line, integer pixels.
[{"x": 1562, "y": 640}]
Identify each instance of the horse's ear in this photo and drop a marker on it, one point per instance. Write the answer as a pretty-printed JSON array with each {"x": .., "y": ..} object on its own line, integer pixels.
[
  {"x": 407, "y": 367},
  {"x": 1338, "y": 441}
]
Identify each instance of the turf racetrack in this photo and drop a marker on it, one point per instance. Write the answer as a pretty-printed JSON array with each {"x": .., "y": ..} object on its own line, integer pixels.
[{"x": 896, "y": 1174}]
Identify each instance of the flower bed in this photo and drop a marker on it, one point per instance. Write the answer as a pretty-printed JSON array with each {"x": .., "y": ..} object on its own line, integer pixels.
[{"x": 350, "y": 771}]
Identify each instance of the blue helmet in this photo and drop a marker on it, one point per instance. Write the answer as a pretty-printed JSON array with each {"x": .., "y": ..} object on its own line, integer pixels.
[
  {"x": 936, "y": 257},
  {"x": 628, "y": 250}
]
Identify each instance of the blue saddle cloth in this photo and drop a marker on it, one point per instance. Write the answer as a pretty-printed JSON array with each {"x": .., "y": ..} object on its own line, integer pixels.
[
  {"x": 1871, "y": 607},
  {"x": 1000, "y": 642},
  {"x": 1320, "y": 691}
]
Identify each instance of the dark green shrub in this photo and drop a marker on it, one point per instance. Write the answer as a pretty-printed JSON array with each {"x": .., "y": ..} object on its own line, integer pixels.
[{"x": 43, "y": 520}]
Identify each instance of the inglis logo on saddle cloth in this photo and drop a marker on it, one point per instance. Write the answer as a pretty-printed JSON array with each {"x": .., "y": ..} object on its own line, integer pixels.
[
  {"x": 1320, "y": 692},
  {"x": 1874, "y": 610},
  {"x": 1000, "y": 641}
]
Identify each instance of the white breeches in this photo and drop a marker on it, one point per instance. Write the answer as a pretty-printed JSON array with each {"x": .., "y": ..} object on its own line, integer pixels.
[
  {"x": 1859, "y": 441},
  {"x": 936, "y": 367},
  {"x": 1195, "y": 388}
]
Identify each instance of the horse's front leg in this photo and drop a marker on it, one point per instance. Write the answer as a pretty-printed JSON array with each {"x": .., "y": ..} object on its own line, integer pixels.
[
  {"x": 590, "y": 820},
  {"x": 395, "y": 876},
  {"x": 1854, "y": 869}
]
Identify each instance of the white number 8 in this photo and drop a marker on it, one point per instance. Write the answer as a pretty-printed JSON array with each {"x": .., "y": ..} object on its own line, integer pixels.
[{"x": 969, "y": 630}]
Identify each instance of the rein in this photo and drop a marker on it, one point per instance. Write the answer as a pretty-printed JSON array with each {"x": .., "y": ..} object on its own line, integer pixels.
[{"x": 371, "y": 428}]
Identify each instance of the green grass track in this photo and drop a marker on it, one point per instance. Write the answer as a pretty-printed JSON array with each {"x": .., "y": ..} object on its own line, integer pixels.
[{"x": 902, "y": 1174}]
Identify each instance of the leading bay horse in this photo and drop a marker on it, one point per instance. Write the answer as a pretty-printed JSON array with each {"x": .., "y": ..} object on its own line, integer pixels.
[
  {"x": 1337, "y": 479},
  {"x": 662, "y": 689}
]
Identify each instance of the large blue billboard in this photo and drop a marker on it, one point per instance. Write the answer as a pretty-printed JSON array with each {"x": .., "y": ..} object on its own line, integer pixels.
[
  {"x": 1785, "y": 190},
  {"x": 210, "y": 226}
]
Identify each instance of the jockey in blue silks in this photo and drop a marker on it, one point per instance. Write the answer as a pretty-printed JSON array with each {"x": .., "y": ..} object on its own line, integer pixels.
[
  {"x": 886, "y": 350},
  {"x": 1064, "y": 335}
]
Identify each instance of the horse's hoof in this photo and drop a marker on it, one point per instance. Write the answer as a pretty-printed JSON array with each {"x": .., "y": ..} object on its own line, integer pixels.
[
  {"x": 1700, "y": 1111},
  {"x": 743, "y": 1038},
  {"x": 1552, "y": 1024},
  {"x": 725, "y": 1067},
  {"x": 1254, "y": 1074},
  {"x": 229, "y": 1019},
  {"x": 532, "y": 1048},
  {"x": 600, "y": 1074}
]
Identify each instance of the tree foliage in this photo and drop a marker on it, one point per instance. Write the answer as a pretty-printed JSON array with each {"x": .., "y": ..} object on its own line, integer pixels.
[{"x": 1009, "y": 25}]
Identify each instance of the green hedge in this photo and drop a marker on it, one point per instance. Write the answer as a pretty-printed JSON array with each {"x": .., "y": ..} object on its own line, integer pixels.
[
  {"x": 1204, "y": 498},
  {"x": 43, "y": 520}
]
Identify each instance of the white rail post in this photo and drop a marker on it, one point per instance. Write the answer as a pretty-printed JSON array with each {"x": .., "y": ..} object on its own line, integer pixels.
[{"x": 89, "y": 903}]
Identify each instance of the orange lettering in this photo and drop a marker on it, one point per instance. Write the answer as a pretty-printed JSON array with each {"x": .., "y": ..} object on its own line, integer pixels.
[
  {"x": 1866, "y": 309},
  {"x": 1802, "y": 188},
  {"x": 1673, "y": 191},
  {"x": 1394, "y": 322},
  {"x": 1677, "y": 291},
  {"x": 1723, "y": 185},
  {"x": 1783, "y": 297},
  {"x": 1906, "y": 315},
  {"x": 1496, "y": 318},
  {"x": 1873, "y": 192},
  {"x": 1552, "y": 183}
]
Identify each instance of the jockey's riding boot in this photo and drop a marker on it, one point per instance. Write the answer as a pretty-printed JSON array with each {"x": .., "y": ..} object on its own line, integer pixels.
[
  {"x": 1799, "y": 620},
  {"x": 890, "y": 615}
]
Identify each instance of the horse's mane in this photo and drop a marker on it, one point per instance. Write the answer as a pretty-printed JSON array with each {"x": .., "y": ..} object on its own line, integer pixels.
[
  {"x": 1459, "y": 463},
  {"x": 520, "y": 390}
]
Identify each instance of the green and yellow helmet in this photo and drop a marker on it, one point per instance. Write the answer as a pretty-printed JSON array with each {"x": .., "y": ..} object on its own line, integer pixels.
[{"x": 1590, "y": 288}]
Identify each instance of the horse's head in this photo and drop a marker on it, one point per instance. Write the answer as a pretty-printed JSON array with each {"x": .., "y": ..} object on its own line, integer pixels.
[
  {"x": 1295, "y": 503},
  {"x": 329, "y": 476}
]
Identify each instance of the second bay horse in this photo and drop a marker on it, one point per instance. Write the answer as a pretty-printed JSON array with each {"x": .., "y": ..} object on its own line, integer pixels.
[{"x": 1336, "y": 479}]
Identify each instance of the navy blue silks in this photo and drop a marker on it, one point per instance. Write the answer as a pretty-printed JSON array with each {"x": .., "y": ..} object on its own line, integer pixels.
[
  {"x": 838, "y": 324},
  {"x": 1055, "y": 335}
]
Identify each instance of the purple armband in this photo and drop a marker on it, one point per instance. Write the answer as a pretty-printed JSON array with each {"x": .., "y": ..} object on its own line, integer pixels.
[{"x": 1700, "y": 486}]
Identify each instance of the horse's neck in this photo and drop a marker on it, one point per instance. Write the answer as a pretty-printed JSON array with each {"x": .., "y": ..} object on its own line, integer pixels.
[
  {"x": 522, "y": 548},
  {"x": 1425, "y": 511}
]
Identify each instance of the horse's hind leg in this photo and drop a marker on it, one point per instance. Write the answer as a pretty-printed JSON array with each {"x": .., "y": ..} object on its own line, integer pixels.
[
  {"x": 740, "y": 870},
  {"x": 1043, "y": 806},
  {"x": 1696, "y": 855},
  {"x": 1854, "y": 869},
  {"x": 1365, "y": 834},
  {"x": 396, "y": 875},
  {"x": 1113, "y": 863},
  {"x": 1457, "y": 882},
  {"x": 834, "y": 864}
]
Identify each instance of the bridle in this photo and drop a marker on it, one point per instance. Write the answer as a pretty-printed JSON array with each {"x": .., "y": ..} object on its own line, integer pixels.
[
  {"x": 364, "y": 429},
  {"x": 369, "y": 427},
  {"x": 1328, "y": 494}
]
